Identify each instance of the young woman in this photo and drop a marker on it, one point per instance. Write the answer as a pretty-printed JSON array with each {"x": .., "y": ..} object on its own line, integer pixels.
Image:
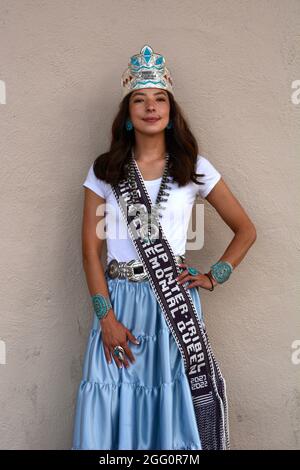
[{"x": 150, "y": 379}]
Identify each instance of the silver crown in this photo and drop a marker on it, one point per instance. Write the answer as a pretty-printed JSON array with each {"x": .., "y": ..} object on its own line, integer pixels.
[{"x": 146, "y": 70}]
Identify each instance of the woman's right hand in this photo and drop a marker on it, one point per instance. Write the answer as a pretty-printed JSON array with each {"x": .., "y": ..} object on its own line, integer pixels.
[{"x": 114, "y": 333}]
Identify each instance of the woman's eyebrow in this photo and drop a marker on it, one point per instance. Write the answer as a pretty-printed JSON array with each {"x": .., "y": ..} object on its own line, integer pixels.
[{"x": 140, "y": 93}]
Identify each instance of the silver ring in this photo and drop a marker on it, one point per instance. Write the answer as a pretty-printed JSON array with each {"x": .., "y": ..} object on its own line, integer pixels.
[{"x": 119, "y": 352}]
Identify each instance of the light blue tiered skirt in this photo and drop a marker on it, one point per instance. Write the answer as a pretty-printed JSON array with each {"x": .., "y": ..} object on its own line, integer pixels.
[{"x": 147, "y": 406}]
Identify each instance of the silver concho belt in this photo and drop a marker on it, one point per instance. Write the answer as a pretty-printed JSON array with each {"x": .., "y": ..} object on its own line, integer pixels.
[{"x": 132, "y": 270}]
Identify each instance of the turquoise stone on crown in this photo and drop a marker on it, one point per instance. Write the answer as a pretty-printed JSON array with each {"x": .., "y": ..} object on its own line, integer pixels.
[
  {"x": 159, "y": 61},
  {"x": 147, "y": 53},
  {"x": 134, "y": 61}
]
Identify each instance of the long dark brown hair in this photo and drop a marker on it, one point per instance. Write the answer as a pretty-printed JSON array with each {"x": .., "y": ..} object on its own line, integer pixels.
[{"x": 181, "y": 146}]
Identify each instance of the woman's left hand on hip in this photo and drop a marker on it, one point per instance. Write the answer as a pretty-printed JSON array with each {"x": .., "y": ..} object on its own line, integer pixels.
[{"x": 197, "y": 280}]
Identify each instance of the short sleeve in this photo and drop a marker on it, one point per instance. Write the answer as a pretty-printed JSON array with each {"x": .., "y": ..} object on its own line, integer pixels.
[
  {"x": 92, "y": 182},
  {"x": 210, "y": 178}
]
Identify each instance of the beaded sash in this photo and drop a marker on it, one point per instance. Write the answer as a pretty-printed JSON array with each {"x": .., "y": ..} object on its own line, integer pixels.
[{"x": 208, "y": 388}]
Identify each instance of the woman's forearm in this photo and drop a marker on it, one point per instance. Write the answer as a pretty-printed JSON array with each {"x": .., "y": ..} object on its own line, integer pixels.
[
  {"x": 239, "y": 246},
  {"x": 95, "y": 279},
  {"x": 94, "y": 273}
]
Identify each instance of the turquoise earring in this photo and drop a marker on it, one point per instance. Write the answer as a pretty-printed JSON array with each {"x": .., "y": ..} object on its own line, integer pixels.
[
  {"x": 170, "y": 125},
  {"x": 129, "y": 125}
]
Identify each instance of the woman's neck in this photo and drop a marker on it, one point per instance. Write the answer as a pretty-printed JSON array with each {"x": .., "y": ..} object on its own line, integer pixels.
[{"x": 149, "y": 152}]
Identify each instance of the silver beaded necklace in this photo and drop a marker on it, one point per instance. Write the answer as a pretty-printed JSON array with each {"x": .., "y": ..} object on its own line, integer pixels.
[{"x": 149, "y": 229}]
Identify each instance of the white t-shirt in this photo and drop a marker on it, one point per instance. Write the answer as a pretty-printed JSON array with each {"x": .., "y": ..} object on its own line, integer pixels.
[{"x": 175, "y": 218}]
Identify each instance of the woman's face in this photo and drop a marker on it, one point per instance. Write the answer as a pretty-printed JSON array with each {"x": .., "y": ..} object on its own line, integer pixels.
[{"x": 149, "y": 103}]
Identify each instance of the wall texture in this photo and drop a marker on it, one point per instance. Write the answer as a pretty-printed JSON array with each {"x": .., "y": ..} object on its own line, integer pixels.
[{"x": 233, "y": 63}]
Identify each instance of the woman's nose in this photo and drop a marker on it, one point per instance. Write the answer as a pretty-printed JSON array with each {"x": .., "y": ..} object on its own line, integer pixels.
[{"x": 149, "y": 105}]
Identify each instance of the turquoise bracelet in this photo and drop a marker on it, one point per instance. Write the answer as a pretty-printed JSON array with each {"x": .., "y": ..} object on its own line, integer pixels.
[
  {"x": 101, "y": 305},
  {"x": 221, "y": 271}
]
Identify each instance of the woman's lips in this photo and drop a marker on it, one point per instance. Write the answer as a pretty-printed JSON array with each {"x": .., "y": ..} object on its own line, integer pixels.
[{"x": 151, "y": 120}]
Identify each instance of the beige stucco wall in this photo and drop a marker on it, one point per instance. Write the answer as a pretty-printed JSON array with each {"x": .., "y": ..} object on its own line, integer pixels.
[{"x": 233, "y": 64}]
